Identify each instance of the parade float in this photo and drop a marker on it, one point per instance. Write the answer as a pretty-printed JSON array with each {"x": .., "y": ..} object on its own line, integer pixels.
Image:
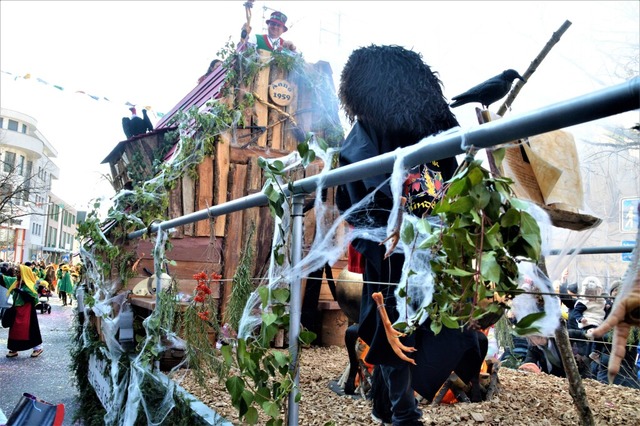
[
  {"x": 178, "y": 275},
  {"x": 154, "y": 304}
]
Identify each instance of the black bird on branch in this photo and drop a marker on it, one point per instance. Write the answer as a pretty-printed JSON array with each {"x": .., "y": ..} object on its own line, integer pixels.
[
  {"x": 490, "y": 91},
  {"x": 135, "y": 125}
]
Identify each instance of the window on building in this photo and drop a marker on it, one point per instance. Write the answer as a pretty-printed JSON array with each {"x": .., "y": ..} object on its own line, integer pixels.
[
  {"x": 1, "y": 122},
  {"x": 21, "y": 166},
  {"x": 29, "y": 168},
  {"x": 24, "y": 128},
  {"x": 13, "y": 125},
  {"x": 9, "y": 161},
  {"x": 5, "y": 191}
]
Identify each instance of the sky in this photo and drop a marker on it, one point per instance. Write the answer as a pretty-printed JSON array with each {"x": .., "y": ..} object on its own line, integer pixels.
[{"x": 151, "y": 53}]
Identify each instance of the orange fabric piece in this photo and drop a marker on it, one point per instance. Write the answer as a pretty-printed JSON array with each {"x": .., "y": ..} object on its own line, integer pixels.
[{"x": 449, "y": 398}]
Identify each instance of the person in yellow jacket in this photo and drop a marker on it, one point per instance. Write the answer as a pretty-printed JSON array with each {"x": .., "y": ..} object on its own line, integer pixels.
[{"x": 24, "y": 332}]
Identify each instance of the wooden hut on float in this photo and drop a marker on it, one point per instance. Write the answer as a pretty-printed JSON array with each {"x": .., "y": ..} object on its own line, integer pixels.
[{"x": 288, "y": 105}]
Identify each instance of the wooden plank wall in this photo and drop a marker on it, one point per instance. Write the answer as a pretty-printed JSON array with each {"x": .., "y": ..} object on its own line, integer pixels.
[{"x": 233, "y": 173}]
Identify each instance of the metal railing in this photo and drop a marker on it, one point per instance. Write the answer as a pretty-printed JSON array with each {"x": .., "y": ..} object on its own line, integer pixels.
[{"x": 600, "y": 104}]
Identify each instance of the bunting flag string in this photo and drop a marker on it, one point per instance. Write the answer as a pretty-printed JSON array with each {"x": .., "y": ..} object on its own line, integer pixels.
[{"x": 28, "y": 76}]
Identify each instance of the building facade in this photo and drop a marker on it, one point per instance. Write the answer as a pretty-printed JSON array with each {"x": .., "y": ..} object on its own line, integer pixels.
[{"x": 34, "y": 224}]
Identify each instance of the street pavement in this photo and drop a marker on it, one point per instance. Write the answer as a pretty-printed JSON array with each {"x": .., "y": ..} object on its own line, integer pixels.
[{"x": 47, "y": 377}]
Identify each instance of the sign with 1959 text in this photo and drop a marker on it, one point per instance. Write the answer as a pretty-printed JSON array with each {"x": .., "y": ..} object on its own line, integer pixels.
[{"x": 281, "y": 92}]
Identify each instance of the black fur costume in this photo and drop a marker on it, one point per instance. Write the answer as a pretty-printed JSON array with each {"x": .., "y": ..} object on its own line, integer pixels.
[{"x": 396, "y": 100}]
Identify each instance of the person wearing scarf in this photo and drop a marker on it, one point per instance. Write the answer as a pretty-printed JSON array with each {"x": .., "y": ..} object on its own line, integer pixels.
[{"x": 24, "y": 333}]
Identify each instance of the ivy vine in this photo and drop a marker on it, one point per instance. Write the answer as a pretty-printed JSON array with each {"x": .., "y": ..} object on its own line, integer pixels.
[{"x": 484, "y": 232}]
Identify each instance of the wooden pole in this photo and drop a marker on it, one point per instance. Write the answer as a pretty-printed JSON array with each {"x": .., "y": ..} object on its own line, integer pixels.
[
  {"x": 576, "y": 387},
  {"x": 555, "y": 38},
  {"x": 484, "y": 116}
]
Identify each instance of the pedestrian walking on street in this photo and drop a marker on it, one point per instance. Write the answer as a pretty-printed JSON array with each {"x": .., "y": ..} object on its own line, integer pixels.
[
  {"x": 24, "y": 330},
  {"x": 65, "y": 285}
]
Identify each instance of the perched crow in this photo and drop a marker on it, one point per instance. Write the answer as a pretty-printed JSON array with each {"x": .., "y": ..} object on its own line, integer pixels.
[
  {"x": 488, "y": 92},
  {"x": 135, "y": 125}
]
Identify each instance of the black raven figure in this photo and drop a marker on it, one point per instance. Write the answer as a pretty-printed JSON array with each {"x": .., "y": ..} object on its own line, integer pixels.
[
  {"x": 135, "y": 125},
  {"x": 490, "y": 91}
]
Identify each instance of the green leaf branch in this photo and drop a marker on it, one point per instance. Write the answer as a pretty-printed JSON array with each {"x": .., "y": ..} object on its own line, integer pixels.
[{"x": 485, "y": 232}]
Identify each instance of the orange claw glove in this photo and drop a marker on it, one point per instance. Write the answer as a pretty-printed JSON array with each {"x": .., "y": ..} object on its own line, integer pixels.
[{"x": 393, "y": 335}]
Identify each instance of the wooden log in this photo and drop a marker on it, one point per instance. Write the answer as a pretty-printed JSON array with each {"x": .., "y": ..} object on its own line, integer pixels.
[
  {"x": 263, "y": 243},
  {"x": 261, "y": 88},
  {"x": 576, "y": 386},
  {"x": 492, "y": 388},
  {"x": 221, "y": 178},
  {"x": 456, "y": 385},
  {"x": 235, "y": 240},
  {"x": 275, "y": 134},
  {"x": 252, "y": 216},
  {"x": 334, "y": 325},
  {"x": 175, "y": 207},
  {"x": 188, "y": 201},
  {"x": 205, "y": 194}
]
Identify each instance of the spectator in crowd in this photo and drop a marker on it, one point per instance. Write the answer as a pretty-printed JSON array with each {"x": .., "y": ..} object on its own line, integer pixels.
[
  {"x": 568, "y": 297},
  {"x": 543, "y": 356},
  {"x": 590, "y": 305},
  {"x": 65, "y": 285},
  {"x": 215, "y": 64},
  {"x": 588, "y": 312}
]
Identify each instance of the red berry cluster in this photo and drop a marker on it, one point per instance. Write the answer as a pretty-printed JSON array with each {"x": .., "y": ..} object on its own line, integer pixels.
[{"x": 203, "y": 289}]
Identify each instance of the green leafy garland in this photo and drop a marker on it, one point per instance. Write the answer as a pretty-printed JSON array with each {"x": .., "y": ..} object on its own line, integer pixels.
[{"x": 474, "y": 254}]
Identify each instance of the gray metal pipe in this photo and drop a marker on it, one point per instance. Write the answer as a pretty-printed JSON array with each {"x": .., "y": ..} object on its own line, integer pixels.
[
  {"x": 603, "y": 103},
  {"x": 295, "y": 303},
  {"x": 594, "y": 250}
]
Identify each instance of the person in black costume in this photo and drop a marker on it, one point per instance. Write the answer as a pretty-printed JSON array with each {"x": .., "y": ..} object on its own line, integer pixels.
[{"x": 394, "y": 100}]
